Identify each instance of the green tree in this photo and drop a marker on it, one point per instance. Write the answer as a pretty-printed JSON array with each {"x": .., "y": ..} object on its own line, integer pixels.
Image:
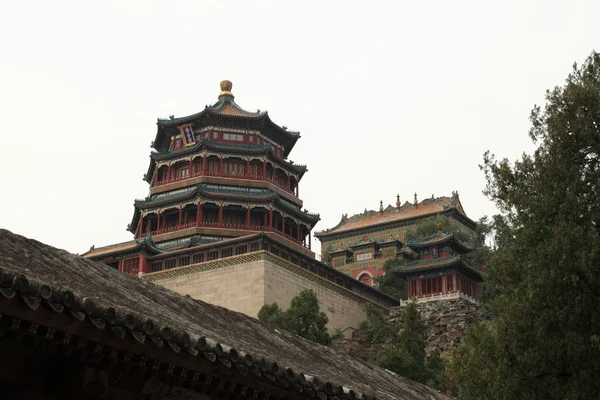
[
  {"x": 302, "y": 318},
  {"x": 543, "y": 342},
  {"x": 389, "y": 283},
  {"x": 403, "y": 349}
]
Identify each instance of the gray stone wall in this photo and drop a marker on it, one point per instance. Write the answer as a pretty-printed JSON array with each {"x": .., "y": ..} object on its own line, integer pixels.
[{"x": 447, "y": 320}]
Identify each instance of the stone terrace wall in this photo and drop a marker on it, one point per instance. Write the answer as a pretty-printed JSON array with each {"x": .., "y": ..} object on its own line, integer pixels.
[
  {"x": 447, "y": 320},
  {"x": 247, "y": 287}
]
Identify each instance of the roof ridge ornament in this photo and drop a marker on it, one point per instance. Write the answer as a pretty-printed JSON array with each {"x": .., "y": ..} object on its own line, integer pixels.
[{"x": 226, "y": 89}]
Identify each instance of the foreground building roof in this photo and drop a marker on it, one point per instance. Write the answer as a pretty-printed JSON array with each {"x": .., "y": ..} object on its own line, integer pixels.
[{"x": 64, "y": 292}]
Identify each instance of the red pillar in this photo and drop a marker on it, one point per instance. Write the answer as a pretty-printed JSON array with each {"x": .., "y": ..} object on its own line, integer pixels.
[
  {"x": 155, "y": 176},
  {"x": 309, "y": 244},
  {"x": 298, "y": 189},
  {"x": 248, "y": 218},
  {"x": 271, "y": 219},
  {"x": 220, "y": 166},
  {"x": 204, "y": 164},
  {"x": 289, "y": 183},
  {"x": 158, "y": 222},
  {"x": 220, "y": 220},
  {"x": 198, "y": 214},
  {"x": 264, "y": 169},
  {"x": 143, "y": 266},
  {"x": 179, "y": 225},
  {"x": 247, "y": 172}
]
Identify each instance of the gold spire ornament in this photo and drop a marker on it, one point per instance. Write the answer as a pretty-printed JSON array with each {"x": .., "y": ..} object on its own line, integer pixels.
[{"x": 226, "y": 88}]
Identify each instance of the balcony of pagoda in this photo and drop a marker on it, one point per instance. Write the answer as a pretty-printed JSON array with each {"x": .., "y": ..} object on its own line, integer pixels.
[
  {"x": 225, "y": 218},
  {"x": 231, "y": 167}
]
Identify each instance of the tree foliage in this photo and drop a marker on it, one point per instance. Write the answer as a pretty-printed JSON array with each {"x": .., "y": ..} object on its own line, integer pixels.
[
  {"x": 302, "y": 318},
  {"x": 545, "y": 271},
  {"x": 402, "y": 348}
]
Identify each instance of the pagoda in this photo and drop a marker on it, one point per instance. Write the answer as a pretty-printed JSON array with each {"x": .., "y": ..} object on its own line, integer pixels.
[
  {"x": 223, "y": 221},
  {"x": 219, "y": 174}
]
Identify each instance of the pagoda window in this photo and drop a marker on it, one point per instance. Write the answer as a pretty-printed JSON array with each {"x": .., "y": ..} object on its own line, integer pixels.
[
  {"x": 213, "y": 166},
  {"x": 234, "y": 218},
  {"x": 434, "y": 252},
  {"x": 183, "y": 172},
  {"x": 211, "y": 216},
  {"x": 255, "y": 170},
  {"x": 234, "y": 168},
  {"x": 131, "y": 266},
  {"x": 162, "y": 173}
]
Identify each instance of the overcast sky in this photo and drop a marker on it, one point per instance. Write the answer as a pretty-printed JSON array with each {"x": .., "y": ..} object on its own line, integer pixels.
[{"x": 389, "y": 97}]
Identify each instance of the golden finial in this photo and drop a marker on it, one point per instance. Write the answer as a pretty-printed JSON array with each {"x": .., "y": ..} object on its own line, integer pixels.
[{"x": 226, "y": 88}]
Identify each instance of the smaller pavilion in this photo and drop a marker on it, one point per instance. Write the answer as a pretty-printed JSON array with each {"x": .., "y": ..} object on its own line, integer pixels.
[{"x": 440, "y": 268}]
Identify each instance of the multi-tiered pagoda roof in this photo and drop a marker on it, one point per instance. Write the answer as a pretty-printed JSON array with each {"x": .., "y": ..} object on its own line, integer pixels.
[{"x": 216, "y": 175}]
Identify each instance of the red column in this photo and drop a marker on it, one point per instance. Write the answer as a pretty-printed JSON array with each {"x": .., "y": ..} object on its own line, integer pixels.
[
  {"x": 309, "y": 241},
  {"x": 198, "y": 214},
  {"x": 265, "y": 169},
  {"x": 271, "y": 219},
  {"x": 158, "y": 223},
  {"x": 220, "y": 220},
  {"x": 155, "y": 176},
  {"x": 220, "y": 166},
  {"x": 204, "y": 164},
  {"x": 179, "y": 225},
  {"x": 247, "y": 172},
  {"x": 298, "y": 189},
  {"x": 289, "y": 183},
  {"x": 248, "y": 218},
  {"x": 169, "y": 174},
  {"x": 143, "y": 266}
]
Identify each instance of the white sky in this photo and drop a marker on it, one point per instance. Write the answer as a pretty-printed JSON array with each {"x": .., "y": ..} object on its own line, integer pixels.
[{"x": 390, "y": 97}]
